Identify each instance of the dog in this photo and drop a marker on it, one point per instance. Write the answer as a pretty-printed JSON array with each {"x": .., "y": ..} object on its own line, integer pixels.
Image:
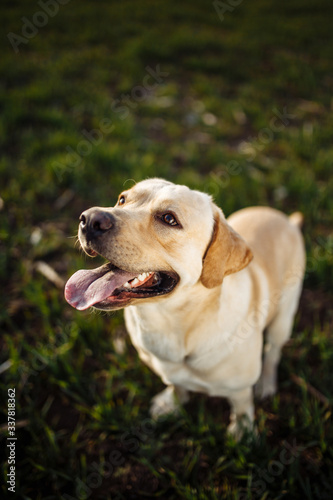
[{"x": 198, "y": 290}]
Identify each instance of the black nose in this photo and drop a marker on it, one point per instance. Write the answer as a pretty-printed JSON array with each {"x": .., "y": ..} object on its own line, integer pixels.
[{"x": 96, "y": 221}]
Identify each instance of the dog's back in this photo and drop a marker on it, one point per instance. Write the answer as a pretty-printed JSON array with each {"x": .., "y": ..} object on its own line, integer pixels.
[{"x": 275, "y": 240}]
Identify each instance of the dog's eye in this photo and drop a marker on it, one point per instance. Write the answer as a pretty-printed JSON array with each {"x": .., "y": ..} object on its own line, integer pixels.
[
  {"x": 169, "y": 219},
  {"x": 121, "y": 200}
]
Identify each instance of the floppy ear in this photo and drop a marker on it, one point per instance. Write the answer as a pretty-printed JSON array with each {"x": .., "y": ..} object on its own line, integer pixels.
[{"x": 227, "y": 253}]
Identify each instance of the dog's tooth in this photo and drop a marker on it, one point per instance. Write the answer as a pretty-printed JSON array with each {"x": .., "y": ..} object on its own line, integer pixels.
[
  {"x": 141, "y": 277},
  {"x": 127, "y": 285}
]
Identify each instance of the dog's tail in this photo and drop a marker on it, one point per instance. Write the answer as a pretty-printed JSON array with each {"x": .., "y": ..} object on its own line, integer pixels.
[{"x": 296, "y": 219}]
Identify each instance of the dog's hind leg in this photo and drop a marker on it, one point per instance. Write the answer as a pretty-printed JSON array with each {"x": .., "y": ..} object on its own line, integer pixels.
[{"x": 278, "y": 332}]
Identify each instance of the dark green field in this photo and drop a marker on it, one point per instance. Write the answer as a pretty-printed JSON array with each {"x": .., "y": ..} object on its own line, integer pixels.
[{"x": 232, "y": 98}]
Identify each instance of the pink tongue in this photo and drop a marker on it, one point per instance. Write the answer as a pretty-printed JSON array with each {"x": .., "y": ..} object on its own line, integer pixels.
[{"x": 87, "y": 287}]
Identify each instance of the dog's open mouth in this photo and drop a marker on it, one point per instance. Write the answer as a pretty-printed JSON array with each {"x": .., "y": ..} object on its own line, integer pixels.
[{"x": 109, "y": 287}]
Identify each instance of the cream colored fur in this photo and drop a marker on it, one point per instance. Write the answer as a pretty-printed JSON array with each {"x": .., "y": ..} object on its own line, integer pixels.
[{"x": 238, "y": 277}]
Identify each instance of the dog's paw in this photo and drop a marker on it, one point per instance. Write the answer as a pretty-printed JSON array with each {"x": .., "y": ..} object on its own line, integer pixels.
[
  {"x": 240, "y": 426},
  {"x": 165, "y": 403},
  {"x": 265, "y": 387}
]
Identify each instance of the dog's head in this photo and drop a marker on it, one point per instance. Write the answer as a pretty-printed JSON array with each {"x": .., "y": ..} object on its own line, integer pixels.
[{"x": 158, "y": 238}]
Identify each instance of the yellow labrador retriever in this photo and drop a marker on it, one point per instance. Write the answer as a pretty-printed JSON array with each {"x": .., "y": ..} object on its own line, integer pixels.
[{"x": 199, "y": 290}]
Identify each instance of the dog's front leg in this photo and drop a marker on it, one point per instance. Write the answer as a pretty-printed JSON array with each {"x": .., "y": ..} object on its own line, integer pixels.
[
  {"x": 242, "y": 412},
  {"x": 168, "y": 401}
]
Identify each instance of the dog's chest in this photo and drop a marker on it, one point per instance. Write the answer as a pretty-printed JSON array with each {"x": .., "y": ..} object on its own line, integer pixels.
[
  {"x": 210, "y": 367},
  {"x": 165, "y": 343}
]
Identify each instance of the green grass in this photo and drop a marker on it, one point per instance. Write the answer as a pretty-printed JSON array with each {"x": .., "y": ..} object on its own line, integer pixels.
[{"x": 211, "y": 122}]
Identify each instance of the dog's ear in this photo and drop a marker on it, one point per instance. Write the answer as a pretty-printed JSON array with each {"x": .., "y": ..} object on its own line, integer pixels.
[{"x": 227, "y": 253}]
